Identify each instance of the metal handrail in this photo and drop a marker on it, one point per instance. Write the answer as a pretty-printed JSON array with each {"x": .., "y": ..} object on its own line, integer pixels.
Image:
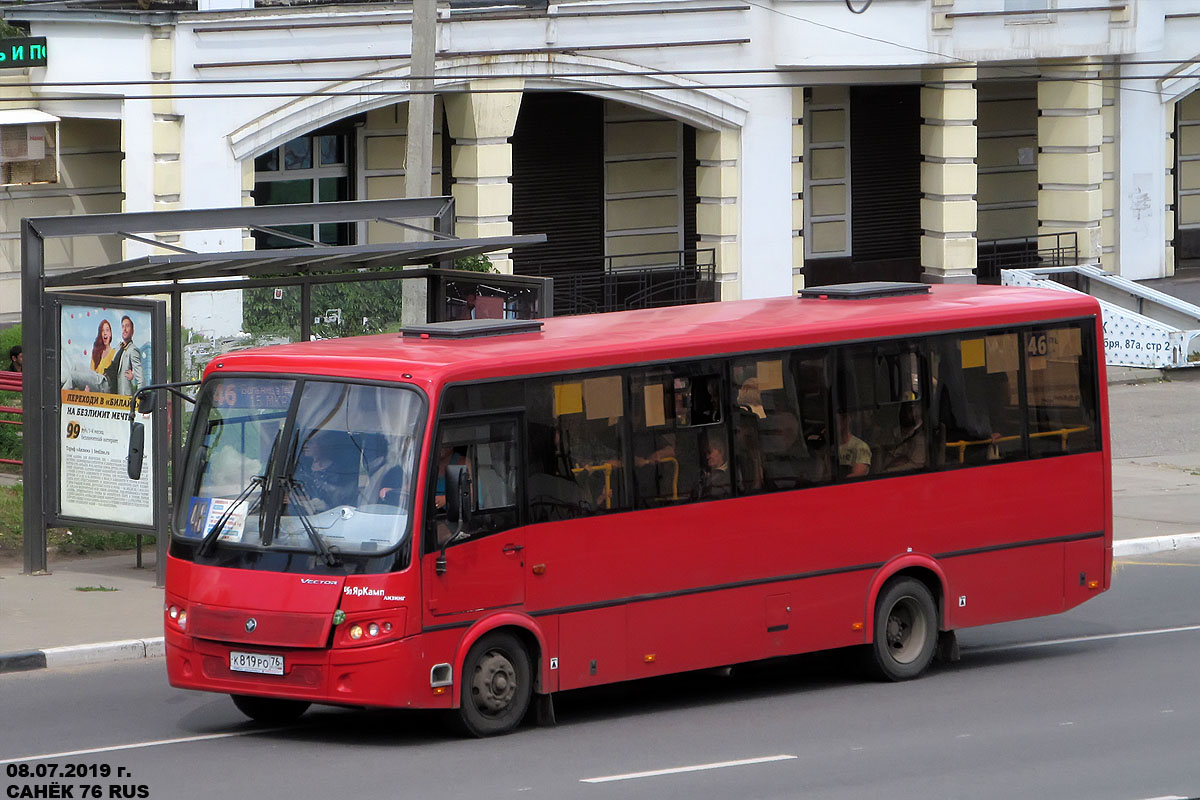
[
  {"x": 586, "y": 285},
  {"x": 1025, "y": 252},
  {"x": 11, "y": 382}
]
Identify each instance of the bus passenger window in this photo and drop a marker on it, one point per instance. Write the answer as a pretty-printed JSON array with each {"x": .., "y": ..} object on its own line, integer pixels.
[
  {"x": 1060, "y": 392},
  {"x": 576, "y": 447},
  {"x": 678, "y": 418},
  {"x": 780, "y": 422},
  {"x": 975, "y": 404}
]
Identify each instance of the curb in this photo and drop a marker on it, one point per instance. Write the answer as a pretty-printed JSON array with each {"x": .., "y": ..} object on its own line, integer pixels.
[
  {"x": 131, "y": 649},
  {"x": 79, "y": 655},
  {"x": 1155, "y": 544}
]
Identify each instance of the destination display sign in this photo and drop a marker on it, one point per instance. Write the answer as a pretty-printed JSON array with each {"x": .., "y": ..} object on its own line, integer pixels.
[{"x": 28, "y": 51}]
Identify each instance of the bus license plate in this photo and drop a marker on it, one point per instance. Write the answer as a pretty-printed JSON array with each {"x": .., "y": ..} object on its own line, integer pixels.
[{"x": 256, "y": 662}]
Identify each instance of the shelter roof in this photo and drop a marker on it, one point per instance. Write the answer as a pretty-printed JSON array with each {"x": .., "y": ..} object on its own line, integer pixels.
[{"x": 288, "y": 261}]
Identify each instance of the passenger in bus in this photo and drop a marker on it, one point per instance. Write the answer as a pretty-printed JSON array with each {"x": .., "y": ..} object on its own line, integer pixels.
[
  {"x": 714, "y": 478},
  {"x": 328, "y": 470},
  {"x": 786, "y": 463},
  {"x": 854, "y": 455},
  {"x": 447, "y": 456},
  {"x": 908, "y": 449}
]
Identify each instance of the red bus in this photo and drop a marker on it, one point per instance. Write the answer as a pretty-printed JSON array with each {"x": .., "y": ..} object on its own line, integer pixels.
[{"x": 475, "y": 515}]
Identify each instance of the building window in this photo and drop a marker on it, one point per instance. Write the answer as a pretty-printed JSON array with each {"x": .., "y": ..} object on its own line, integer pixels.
[{"x": 313, "y": 168}]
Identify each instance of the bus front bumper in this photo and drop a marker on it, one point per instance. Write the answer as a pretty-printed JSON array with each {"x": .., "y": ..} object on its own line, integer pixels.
[{"x": 393, "y": 674}]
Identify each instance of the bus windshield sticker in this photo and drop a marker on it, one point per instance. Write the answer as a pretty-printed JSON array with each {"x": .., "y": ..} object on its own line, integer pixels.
[
  {"x": 603, "y": 397},
  {"x": 568, "y": 399},
  {"x": 1064, "y": 343},
  {"x": 972, "y": 353},
  {"x": 234, "y": 526},
  {"x": 655, "y": 410},
  {"x": 1002, "y": 353},
  {"x": 770, "y": 375}
]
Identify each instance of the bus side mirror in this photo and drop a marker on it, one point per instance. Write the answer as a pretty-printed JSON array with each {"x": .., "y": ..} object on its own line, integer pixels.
[
  {"x": 458, "y": 494},
  {"x": 147, "y": 401},
  {"x": 137, "y": 443}
]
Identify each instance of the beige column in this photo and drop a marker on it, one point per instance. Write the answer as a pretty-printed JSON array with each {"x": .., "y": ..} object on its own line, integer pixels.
[
  {"x": 949, "y": 176},
  {"x": 1070, "y": 164},
  {"x": 717, "y": 214},
  {"x": 797, "y": 189},
  {"x": 166, "y": 128},
  {"x": 481, "y": 161},
  {"x": 1169, "y": 193},
  {"x": 1108, "y": 171}
]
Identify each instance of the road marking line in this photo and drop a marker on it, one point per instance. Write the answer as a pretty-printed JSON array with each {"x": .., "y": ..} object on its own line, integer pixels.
[
  {"x": 1077, "y": 639},
  {"x": 137, "y": 745},
  {"x": 1123, "y": 562},
  {"x": 694, "y": 768}
]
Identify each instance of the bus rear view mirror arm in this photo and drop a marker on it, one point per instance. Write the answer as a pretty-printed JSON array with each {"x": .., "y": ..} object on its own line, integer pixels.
[{"x": 144, "y": 401}]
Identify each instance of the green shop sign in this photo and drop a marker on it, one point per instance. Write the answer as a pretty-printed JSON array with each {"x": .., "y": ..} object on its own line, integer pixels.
[{"x": 29, "y": 51}]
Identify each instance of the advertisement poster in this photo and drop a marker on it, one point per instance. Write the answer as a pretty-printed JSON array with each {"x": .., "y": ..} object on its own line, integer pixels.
[{"x": 106, "y": 355}]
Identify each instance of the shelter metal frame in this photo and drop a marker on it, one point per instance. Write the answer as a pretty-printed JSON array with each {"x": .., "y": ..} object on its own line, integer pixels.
[{"x": 183, "y": 271}]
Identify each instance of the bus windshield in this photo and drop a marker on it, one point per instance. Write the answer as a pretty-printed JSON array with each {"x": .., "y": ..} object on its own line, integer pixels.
[{"x": 300, "y": 465}]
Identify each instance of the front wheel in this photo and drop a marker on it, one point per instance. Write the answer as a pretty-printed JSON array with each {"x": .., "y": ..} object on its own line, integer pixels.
[
  {"x": 496, "y": 685},
  {"x": 905, "y": 630},
  {"x": 270, "y": 710}
]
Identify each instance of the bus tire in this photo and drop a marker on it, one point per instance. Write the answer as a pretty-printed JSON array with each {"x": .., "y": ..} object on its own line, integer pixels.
[
  {"x": 906, "y": 630},
  {"x": 497, "y": 684},
  {"x": 271, "y": 710}
]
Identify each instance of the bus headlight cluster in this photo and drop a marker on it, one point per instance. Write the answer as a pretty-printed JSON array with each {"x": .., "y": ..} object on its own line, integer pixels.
[
  {"x": 178, "y": 615},
  {"x": 371, "y": 628}
]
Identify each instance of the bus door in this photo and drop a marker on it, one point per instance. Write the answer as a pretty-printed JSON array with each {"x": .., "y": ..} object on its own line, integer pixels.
[{"x": 477, "y": 563}]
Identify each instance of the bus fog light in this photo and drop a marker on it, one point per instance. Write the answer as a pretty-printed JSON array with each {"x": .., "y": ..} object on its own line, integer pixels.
[
  {"x": 372, "y": 629},
  {"x": 356, "y": 632},
  {"x": 173, "y": 612},
  {"x": 387, "y": 627}
]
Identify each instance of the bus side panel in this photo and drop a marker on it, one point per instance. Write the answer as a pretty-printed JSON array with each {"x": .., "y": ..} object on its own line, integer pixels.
[
  {"x": 592, "y": 647},
  {"x": 699, "y": 631},
  {"x": 1004, "y": 585}
]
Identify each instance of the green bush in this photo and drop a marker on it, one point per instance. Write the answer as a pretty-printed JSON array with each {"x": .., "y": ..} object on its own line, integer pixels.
[{"x": 76, "y": 541}]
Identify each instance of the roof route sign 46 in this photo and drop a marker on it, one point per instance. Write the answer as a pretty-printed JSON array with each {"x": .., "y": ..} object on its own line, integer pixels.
[{"x": 29, "y": 51}]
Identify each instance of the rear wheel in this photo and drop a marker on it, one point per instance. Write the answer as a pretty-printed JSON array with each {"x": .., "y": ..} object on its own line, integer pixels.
[
  {"x": 272, "y": 710},
  {"x": 905, "y": 630},
  {"x": 496, "y": 685}
]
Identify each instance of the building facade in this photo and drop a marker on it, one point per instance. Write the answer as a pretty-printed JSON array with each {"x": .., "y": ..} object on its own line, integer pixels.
[{"x": 779, "y": 143}]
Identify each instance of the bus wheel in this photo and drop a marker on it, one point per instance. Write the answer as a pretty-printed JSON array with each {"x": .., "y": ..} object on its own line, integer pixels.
[
  {"x": 496, "y": 685},
  {"x": 271, "y": 710},
  {"x": 905, "y": 630}
]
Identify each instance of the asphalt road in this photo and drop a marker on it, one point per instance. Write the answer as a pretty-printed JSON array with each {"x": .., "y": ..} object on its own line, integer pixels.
[{"x": 1098, "y": 703}]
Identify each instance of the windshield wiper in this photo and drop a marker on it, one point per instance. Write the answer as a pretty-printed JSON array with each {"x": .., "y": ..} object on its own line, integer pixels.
[
  {"x": 215, "y": 531},
  {"x": 296, "y": 488}
]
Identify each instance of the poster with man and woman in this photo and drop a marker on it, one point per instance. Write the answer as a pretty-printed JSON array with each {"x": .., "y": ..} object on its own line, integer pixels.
[{"x": 105, "y": 356}]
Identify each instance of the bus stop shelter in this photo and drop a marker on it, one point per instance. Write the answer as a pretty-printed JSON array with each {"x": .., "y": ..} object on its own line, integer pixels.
[{"x": 427, "y": 259}]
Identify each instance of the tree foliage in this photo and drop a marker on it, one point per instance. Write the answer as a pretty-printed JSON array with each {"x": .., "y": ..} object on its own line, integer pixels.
[{"x": 339, "y": 309}]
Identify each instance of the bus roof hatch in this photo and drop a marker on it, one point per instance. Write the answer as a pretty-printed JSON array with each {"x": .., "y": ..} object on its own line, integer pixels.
[
  {"x": 866, "y": 290},
  {"x": 470, "y": 328}
]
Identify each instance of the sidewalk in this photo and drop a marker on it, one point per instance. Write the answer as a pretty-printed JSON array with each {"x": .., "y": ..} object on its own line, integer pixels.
[{"x": 83, "y": 601}]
